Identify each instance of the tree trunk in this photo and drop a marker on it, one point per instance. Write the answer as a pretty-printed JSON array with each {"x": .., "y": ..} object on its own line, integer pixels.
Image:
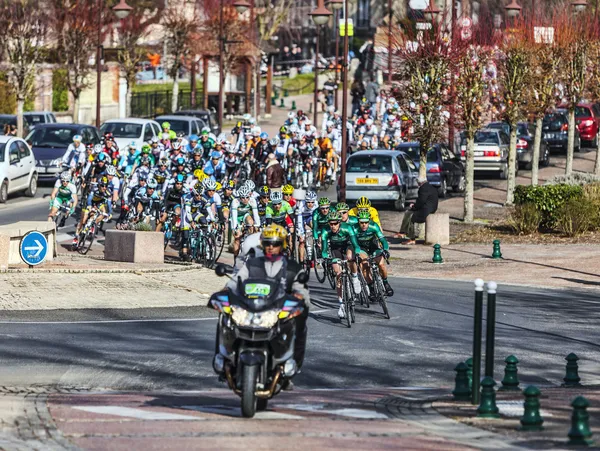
[
  {"x": 570, "y": 141},
  {"x": 597, "y": 164},
  {"x": 128, "y": 102},
  {"x": 512, "y": 166},
  {"x": 470, "y": 180},
  {"x": 76, "y": 110},
  {"x": 535, "y": 159},
  {"x": 422, "y": 162},
  {"x": 175, "y": 97},
  {"x": 20, "y": 103}
]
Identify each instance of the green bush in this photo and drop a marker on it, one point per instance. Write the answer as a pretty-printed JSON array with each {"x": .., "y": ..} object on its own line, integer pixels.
[
  {"x": 577, "y": 216},
  {"x": 548, "y": 199},
  {"x": 525, "y": 219},
  {"x": 60, "y": 93}
]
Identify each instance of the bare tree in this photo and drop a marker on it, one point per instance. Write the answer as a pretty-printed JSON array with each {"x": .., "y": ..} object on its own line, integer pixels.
[
  {"x": 24, "y": 25},
  {"x": 179, "y": 30}
]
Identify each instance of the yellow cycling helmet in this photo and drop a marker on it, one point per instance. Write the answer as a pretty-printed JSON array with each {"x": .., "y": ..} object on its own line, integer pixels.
[
  {"x": 199, "y": 174},
  {"x": 287, "y": 189},
  {"x": 274, "y": 234},
  {"x": 219, "y": 186},
  {"x": 363, "y": 202}
]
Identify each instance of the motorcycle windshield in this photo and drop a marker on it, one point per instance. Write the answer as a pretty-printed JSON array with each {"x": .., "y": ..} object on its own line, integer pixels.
[{"x": 260, "y": 294}]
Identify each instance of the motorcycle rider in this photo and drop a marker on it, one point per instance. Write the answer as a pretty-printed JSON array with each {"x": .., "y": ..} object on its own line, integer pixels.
[{"x": 274, "y": 266}]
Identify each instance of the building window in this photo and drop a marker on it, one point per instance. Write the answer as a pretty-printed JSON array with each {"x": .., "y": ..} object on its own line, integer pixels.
[{"x": 363, "y": 14}]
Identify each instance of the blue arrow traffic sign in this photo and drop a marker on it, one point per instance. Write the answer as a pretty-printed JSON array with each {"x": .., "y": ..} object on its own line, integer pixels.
[{"x": 33, "y": 248}]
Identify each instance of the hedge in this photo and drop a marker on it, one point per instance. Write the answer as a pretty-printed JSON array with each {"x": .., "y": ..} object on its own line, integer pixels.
[{"x": 548, "y": 199}]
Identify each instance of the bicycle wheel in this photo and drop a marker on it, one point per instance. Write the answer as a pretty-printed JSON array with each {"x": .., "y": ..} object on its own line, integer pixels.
[
  {"x": 380, "y": 290},
  {"x": 167, "y": 235},
  {"x": 346, "y": 296},
  {"x": 209, "y": 251},
  {"x": 220, "y": 242},
  {"x": 331, "y": 276},
  {"x": 88, "y": 239},
  {"x": 320, "y": 268},
  {"x": 363, "y": 297}
]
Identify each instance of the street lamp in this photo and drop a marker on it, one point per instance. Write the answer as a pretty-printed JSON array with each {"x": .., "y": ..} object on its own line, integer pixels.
[
  {"x": 320, "y": 16},
  {"x": 121, "y": 10},
  {"x": 513, "y": 9},
  {"x": 579, "y": 5},
  {"x": 242, "y": 6},
  {"x": 336, "y": 5}
]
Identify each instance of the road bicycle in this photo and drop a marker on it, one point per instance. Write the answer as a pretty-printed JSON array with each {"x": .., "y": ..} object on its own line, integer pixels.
[
  {"x": 88, "y": 231},
  {"x": 378, "y": 294}
]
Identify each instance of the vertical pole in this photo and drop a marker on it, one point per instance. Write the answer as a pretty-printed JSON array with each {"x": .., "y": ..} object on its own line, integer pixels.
[
  {"x": 205, "y": 82},
  {"x": 316, "y": 95},
  {"x": 269, "y": 89},
  {"x": 490, "y": 332},
  {"x": 248, "y": 84},
  {"x": 221, "y": 64},
  {"x": 391, "y": 15},
  {"x": 342, "y": 196},
  {"x": 452, "y": 106},
  {"x": 98, "y": 65},
  {"x": 477, "y": 319},
  {"x": 193, "y": 82},
  {"x": 336, "y": 28},
  {"x": 256, "y": 40}
]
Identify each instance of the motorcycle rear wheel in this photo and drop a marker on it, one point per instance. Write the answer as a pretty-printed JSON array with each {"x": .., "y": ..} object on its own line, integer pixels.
[{"x": 249, "y": 402}]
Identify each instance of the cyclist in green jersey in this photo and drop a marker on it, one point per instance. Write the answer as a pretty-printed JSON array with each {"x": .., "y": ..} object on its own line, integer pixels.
[
  {"x": 372, "y": 244},
  {"x": 343, "y": 208},
  {"x": 64, "y": 192},
  {"x": 319, "y": 219},
  {"x": 339, "y": 243},
  {"x": 280, "y": 212}
]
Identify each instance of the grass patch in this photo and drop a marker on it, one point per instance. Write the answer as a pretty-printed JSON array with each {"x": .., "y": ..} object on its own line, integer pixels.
[
  {"x": 302, "y": 84},
  {"x": 165, "y": 87}
]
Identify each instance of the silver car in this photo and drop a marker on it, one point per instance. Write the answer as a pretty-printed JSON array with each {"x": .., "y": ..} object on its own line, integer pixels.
[
  {"x": 491, "y": 151},
  {"x": 384, "y": 176}
]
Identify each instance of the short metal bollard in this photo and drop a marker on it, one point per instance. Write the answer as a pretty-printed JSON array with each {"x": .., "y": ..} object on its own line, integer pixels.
[
  {"x": 477, "y": 320},
  {"x": 572, "y": 378},
  {"x": 496, "y": 250},
  {"x": 580, "y": 433},
  {"x": 488, "y": 408},
  {"x": 531, "y": 419},
  {"x": 511, "y": 376},
  {"x": 461, "y": 390},
  {"x": 294, "y": 105},
  {"x": 490, "y": 330},
  {"x": 437, "y": 254}
]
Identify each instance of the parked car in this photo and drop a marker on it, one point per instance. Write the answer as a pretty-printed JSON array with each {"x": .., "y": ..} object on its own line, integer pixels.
[
  {"x": 49, "y": 143},
  {"x": 17, "y": 168},
  {"x": 131, "y": 130},
  {"x": 208, "y": 116},
  {"x": 491, "y": 151},
  {"x": 31, "y": 119},
  {"x": 555, "y": 131},
  {"x": 386, "y": 176},
  {"x": 444, "y": 168},
  {"x": 587, "y": 117},
  {"x": 188, "y": 125},
  {"x": 525, "y": 138}
]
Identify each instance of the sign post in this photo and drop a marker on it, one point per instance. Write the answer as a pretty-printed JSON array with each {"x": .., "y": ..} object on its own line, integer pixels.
[{"x": 33, "y": 248}]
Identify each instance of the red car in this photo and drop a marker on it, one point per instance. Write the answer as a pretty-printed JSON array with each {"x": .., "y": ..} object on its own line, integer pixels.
[{"x": 587, "y": 117}]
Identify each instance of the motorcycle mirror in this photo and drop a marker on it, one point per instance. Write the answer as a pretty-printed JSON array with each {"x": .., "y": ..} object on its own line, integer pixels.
[
  {"x": 221, "y": 270},
  {"x": 302, "y": 277}
]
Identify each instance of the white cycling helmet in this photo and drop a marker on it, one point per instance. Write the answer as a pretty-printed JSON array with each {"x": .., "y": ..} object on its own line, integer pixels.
[
  {"x": 250, "y": 185},
  {"x": 111, "y": 170},
  {"x": 77, "y": 138},
  {"x": 291, "y": 115},
  {"x": 256, "y": 131},
  {"x": 65, "y": 176},
  {"x": 176, "y": 145},
  {"x": 154, "y": 140},
  {"x": 152, "y": 183},
  {"x": 307, "y": 122},
  {"x": 276, "y": 197},
  {"x": 311, "y": 196},
  {"x": 369, "y": 122},
  {"x": 330, "y": 124},
  {"x": 244, "y": 192},
  {"x": 209, "y": 184},
  {"x": 293, "y": 128},
  {"x": 97, "y": 148}
]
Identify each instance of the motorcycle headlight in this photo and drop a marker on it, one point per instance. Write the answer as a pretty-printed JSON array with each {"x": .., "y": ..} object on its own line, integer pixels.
[{"x": 264, "y": 320}]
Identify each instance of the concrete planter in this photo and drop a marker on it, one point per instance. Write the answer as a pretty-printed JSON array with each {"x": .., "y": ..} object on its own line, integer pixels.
[
  {"x": 10, "y": 240},
  {"x": 134, "y": 247},
  {"x": 437, "y": 229}
]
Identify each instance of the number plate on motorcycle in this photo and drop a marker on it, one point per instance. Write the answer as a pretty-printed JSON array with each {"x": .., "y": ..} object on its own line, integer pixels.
[
  {"x": 257, "y": 289},
  {"x": 367, "y": 181}
]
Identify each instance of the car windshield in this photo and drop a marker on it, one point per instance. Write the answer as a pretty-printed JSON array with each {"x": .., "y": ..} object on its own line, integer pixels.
[
  {"x": 414, "y": 152},
  {"x": 178, "y": 126},
  {"x": 370, "y": 163},
  {"x": 522, "y": 129},
  {"x": 483, "y": 137},
  {"x": 51, "y": 137},
  {"x": 10, "y": 120},
  {"x": 2, "y": 147},
  {"x": 34, "y": 119},
  {"x": 582, "y": 111},
  {"x": 553, "y": 121},
  {"x": 122, "y": 129}
]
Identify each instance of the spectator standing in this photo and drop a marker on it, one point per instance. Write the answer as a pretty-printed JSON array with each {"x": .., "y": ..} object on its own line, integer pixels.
[
  {"x": 426, "y": 204},
  {"x": 357, "y": 91},
  {"x": 372, "y": 93},
  {"x": 275, "y": 173}
]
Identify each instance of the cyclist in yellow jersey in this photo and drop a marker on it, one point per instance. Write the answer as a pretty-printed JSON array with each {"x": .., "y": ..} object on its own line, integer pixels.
[{"x": 365, "y": 204}]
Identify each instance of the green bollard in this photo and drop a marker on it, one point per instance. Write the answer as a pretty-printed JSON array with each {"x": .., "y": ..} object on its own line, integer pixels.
[
  {"x": 273, "y": 103},
  {"x": 496, "y": 252},
  {"x": 511, "y": 377},
  {"x": 281, "y": 104},
  {"x": 437, "y": 254},
  {"x": 580, "y": 433},
  {"x": 572, "y": 378},
  {"x": 469, "y": 363},
  {"x": 293, "y": 105},
  {"x": 488, "y": 408},
  {"x": 531, "y": 419},
  {"x": 286, "y": 93},
  {"x": 461, "y": 391}
]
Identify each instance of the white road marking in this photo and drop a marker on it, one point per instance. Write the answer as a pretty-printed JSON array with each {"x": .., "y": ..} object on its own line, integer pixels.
[
  {"x": 323, "y": 310},
  {"x": 235, "y": 412},
  {"x": 515, "y": 409},
  {"x": 136, "y": 413},
  {"x": 349, "y": 413},
  {"x": 113, "y": 321}
]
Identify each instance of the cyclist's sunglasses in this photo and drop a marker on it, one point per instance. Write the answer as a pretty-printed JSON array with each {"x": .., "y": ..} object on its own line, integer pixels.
[{"x": 334, "y": 223}]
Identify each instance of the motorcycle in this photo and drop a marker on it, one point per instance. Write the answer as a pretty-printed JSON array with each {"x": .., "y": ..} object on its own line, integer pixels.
[{"x": 256, "y": 334}]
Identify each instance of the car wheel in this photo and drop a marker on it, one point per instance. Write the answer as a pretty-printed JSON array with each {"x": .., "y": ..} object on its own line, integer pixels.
[
  {"x": 400, "y": 204},
  {"x": 443, "y": 189},
  {"x": 504, "y": 171},
  {"x": 462, "y": 185},
  {"x": 33, "y": 185},
  {"x": 3, "y": 192}
]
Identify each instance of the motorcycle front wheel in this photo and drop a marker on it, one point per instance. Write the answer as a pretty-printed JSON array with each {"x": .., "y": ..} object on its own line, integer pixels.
[{"x": 249, "y": 376}]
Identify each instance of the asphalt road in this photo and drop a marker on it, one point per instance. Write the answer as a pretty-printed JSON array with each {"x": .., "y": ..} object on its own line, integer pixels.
[{"x": 429, "y": 334}]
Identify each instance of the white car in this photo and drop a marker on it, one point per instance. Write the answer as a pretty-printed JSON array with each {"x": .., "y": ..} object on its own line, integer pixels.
[
  {"x": 17, "y": 168},
  {"x": 126, "y": 131}
]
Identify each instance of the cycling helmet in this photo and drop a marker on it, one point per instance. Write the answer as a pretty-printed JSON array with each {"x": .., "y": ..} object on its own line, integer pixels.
[
  {"x": 155, "y": 140},
  {"x": 363, "y": 202},
  {"x": 209, "y": 184},
  {"x": 152, "y": 184},
  {"x": 334, "y": 216},
  {"x": 219, "y": 186},
  {"x": 145, "y": 159},
  {"x": 98, "y": 148},
  {"x": 108, "y": 136},
  {"x": 103, "y": 182},
  {"x": 199, "y": 174},
  {"x": 264, "y": 191},
  {"x": 250, "y": 184},
  {"x": 163, "y": 162},
  {"x": 146, "y": 148},
  {"x": 111, "y": 170},
  {"x": 244, "y": 191},
  {"x": 276, "y": 197},
  {"x": 330, "y": 124},
  {"x": 133, "y": 145},
  {"x": 180, "y": 178},
  {"x": 311, "y": 196},
  {"x": 176, "y": 145},
  {"x": 215, "y": 154},
  {"x": 283, "y": 129},
  {"x": 65, "y": 176},
  {"x": 293, "y": 128},
  {"x": 364, "y": 216},
  {"x": 165, "y": 125},
  {"x": 246, "y": 117},
  {"x": 287, "y": 189},
  {"x": 230, "y": 184},
  {"x": 101, "y": 157},
  {"x": 342, "y": 206},
  {"x": 291, "y": 115},
  {"x": 264, "y": 135},
  {"x": 197, "y": 151},
  {"x": 165, "y": 136},
  {"x": 274, "y": 234},
  {"x": 143, "y": 177},
  {"x": 274, "y": 142},
  {"x": 194, "y": 138},
  {"x": 197, "y": 190},
  {"x": 369, "y": 121},
  {"x": 324, "y": 202},
  {"x": 180, "y": 161},
  {"x": 307, "y": 122},
  {"x": 77, "y": 138}
]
